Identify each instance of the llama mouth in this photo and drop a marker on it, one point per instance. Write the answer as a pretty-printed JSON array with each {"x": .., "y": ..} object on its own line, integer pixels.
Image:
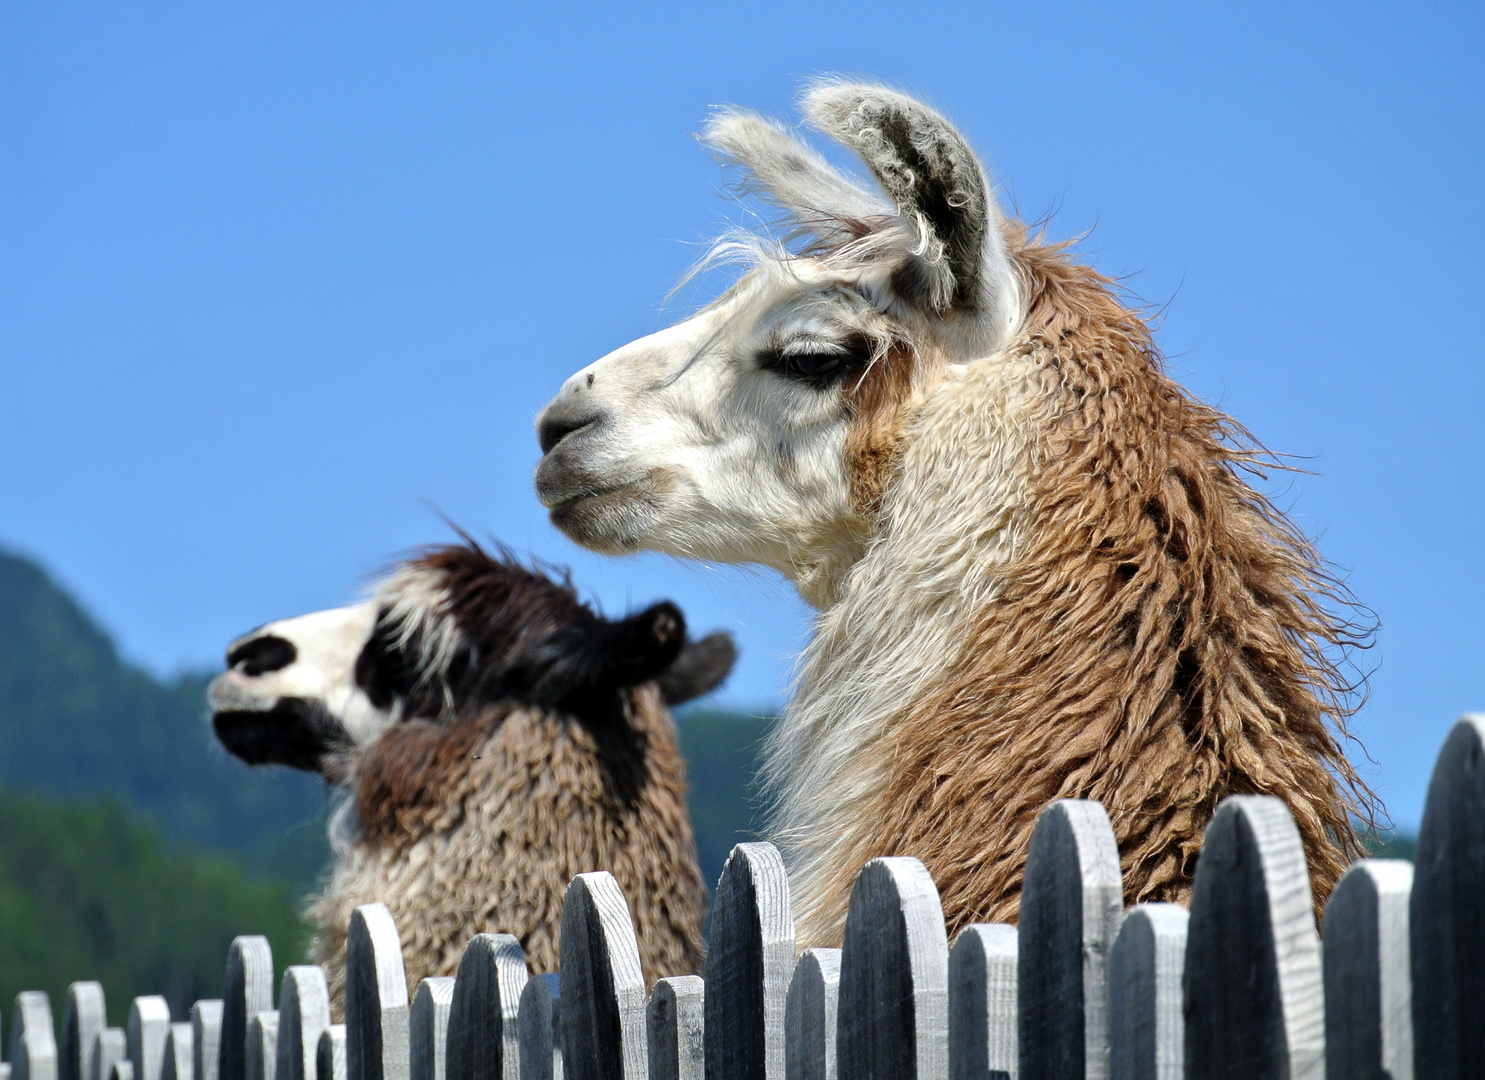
[
  {"x": 616, "y": 519},
  {"x": 296, "y": 732}
]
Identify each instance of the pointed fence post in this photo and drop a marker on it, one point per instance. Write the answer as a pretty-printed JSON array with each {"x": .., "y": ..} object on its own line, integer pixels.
[
  {"x": 748, "y": 966},
  {"x": 1368, "y": 986},
  {"x": 206, "y": 1038},
  {"x": 1070, "y": 908},
  {"x": 428, "y": 1029},
  {"x": 1448, "y": 912},
  {"x": 375, "y": 997},
  {"x": 1146, "y": 1026},
  {"x": 85, "y": 1015},
  {"x": 603, "y": 988},
  {"x": 893, "y": 1014},
  {"x": 540, "y": 1026},
  {"x": 483, "y": 1032},
  {"x": 33, "y": 1039},
  {"x": 674, "y": 1022},
  {"x": 261, "y": 1059},
  {"x": 809, "y": 1016},
  {"x": 330, "y": 1054},
  {"x": 1254, "y": 999},
  {"x": 122, "y": 1069},
  {"x": 109, "y": 1045},
  {"x": 982, "y": 1003},
  {"x": 179, "y": 1057},
  {"x": 303, "y": 1012},
  {"x": 247, "y": 989},
  {"x": 149, "y": 1027}
]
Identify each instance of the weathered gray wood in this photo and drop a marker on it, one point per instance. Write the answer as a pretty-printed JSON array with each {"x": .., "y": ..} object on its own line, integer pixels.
[
  {"x": 674, "y": 1021},
  {"x": 1070, "y": 908},
  {"x": 122, "y": 1069},
  {"x": 1447, "y": 928},
  {"x": 179, "y": 1056},
  {"x": 261, "y": 1059},
  {"x": 484, "y": 1033},
  {"x": 4, "y": 1070},
  {"x": 108, "y": 1046},
  {"x": 303, "y": 1012},
  {"x": 148, "y": 1028},
  {"x": 375, "y": 997},
  {"x": 33, "y": 1039},
  {"x": 809, "y": 1016},
  {"x": 982, "y": 1003},
  {"x": 1147, "y": 1030},
  {"x": 540, "y": 1025},
  {"x": 330, "y": 1056},
  {"x": 749, "y": 962},
  {"x": 247, "y": 988},
  {"x": 206, "y": 1038},
  {"x": 84, "y": 1016},
  {"x": 603, "y": 989},
  {"x": 1252, "y": 984},
  {"x": 428, "y": 1029},
  {"x": 1368, "y": 986},
  {"x": 892, "y": 1021}
]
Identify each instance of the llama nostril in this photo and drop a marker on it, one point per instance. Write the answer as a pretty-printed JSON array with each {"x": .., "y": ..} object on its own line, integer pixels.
[
  {"x": 555, "y": 427},
  {"x": 260, "y": 655}
]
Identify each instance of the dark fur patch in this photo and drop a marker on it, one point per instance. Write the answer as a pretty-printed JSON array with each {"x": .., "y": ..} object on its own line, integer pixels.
[
  {"x": 262, "y": 654},
  {"x": 700, "y": 669},
  {"x": 297, "y": 732}
]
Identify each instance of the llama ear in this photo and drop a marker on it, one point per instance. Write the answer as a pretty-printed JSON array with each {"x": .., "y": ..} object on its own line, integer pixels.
[
  {"x": 699, "y": 669},
  {"x": 794, "y": 176},
  {"x": 934, "y": 179}
]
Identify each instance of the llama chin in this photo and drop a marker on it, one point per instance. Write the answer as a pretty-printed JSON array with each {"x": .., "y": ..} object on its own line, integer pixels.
[
  {"x": 494, "y": 738},
  {"x": 1041, "y": 567}
]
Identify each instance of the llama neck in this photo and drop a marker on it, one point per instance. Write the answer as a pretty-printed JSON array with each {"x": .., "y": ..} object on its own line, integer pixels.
[{"x": 950, "y": 522}]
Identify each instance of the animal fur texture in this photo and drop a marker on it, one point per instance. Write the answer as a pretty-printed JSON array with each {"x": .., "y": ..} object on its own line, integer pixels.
[
  {"x": 1043, "y": 570},
  {"x": 495, "y": 738}
]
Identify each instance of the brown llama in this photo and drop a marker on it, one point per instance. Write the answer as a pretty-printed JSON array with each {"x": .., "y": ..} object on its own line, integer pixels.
[
  {"x": 497, "y": 738},
  {"x": 1041, "y": 568}
]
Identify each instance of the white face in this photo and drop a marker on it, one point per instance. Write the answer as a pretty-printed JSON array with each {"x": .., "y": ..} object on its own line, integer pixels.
[
  {"x": 293, "y": 675},
  {"x": 722, "y": 437}
]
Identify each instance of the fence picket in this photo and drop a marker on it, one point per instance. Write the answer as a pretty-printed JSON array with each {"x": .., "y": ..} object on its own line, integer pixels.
[
  {"x": 206, "y": 1038},
  {"x": 893, "y": 1009},
  {"x": 674, "y": 1022},
  {"x": 982, "y": 1003},
  {"x": 84, "y": 1015},
  {"x": 330, "y": 1054},
  {"x": 179, "y": 1061},
  {"x": 33, "y": 1039},
  {"x": 261, "y": 1058},
  {"x": 1070, "y": 908},
  {"x": 749, "y": 962},
  {"x": 1253, "y": 927},
  {"x": 109, "y": 1045},
  {"x": 1448, "y": 912},
  {"x": 247, "y": 988},
  {"x": 375, "y": 997},
  {"x": 1368, "y": 987},
  {"x": 809, "y": 1016},
  {"x": 1146, "y": 1026},
  {"x": 303, "y": 1012},
  {"x": 483, "y": 1032},
  {"x": 428, "y": 1029},
  {"x": 540, "y": 1028},
  {"x": 149, "y": 1027},
  {"x": 603, "y": 988},
  {"x": 122, "y": 1069}
]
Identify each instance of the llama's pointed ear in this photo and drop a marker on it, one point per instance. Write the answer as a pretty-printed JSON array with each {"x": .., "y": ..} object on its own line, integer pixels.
[
  {"x": 794, "y": 176},
  {"x": 701, "y": 668},
  {"x": 936, "y": 182}
]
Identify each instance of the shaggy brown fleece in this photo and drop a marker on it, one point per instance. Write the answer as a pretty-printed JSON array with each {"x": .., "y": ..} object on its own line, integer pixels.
[
  {"x": 479, "y": 825},
  {"x": 1165, "y": 637}
]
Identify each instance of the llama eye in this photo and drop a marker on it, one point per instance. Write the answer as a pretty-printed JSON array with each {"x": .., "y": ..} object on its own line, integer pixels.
[{"x": 819, "y": 364}]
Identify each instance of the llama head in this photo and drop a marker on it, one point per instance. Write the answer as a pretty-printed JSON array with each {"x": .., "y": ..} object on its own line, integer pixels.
[
  {"x": 764, "y": 428},
  {"x": 446, "y": 635}
]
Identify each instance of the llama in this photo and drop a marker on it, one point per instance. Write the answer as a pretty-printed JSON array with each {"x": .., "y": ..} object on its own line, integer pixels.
[
  {"x": 496, "y": 738},
  {"x": 1040, "y": 567}
]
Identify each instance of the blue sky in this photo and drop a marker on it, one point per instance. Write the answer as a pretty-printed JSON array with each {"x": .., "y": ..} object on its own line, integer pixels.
[{"x": 281, "y": 283}]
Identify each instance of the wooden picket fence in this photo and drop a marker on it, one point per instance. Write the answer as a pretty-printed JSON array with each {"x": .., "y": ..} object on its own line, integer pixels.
[{"x": 1236, "y": 987}]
